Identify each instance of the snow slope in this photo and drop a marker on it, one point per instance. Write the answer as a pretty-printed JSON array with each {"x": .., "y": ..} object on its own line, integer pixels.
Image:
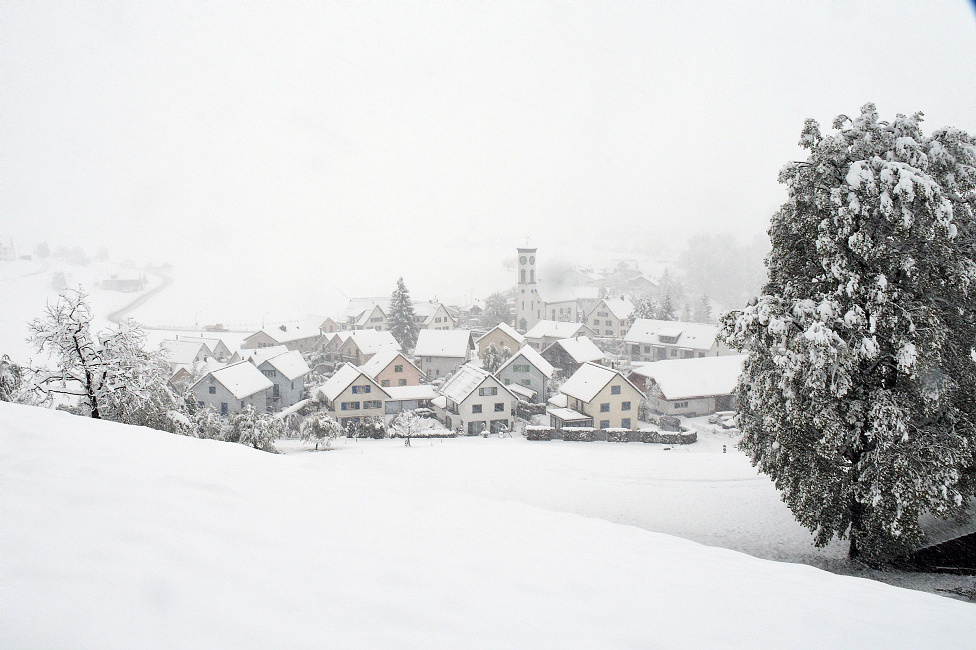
[{"x": 121, "y": 537}]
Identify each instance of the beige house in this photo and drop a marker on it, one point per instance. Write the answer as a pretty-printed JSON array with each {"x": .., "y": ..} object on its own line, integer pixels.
[
  {"x": 612, "y": 317},
  {"x": 360, "y": 346},
  {"x": 365, "y": 313},
  {"x": 329, "y": 326},
  {"x": 301, "y": 337},
  {"x": 351, "y": 396},
  {"x": 440, "y": 353},
  {"x": 502, "y": 335},
  {"x": 547, "y": 332},
  {"x": 690, "y": 387},
  {"x": 603, "y": 395},
  {"x": 390, "y": 368}
]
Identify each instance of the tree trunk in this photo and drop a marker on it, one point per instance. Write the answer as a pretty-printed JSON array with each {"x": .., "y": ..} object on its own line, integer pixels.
[{"x": 857, "y": 525}]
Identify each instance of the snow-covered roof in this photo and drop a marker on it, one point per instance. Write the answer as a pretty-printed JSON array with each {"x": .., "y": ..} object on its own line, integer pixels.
[
  {"x": 507, "y": 329},
  {"x": 179, "y": 352},
  {"x": 528, "y": 353},
  {"x": 522, "y": 391},
  {"x": 423, "y": 391},
  {"x": 690, "y": 378},
  {"x": 342, "y": 379},
  {"x": 242, "y": 379},
  {"x": 621, "y": 308},
  {"x": 554, "y": 329},
  {"x": 381, "y": 360},
  {"x": 559, "y": 400},
  {"x": 581, "y": 349},
  {"x": 372, "y": 341},
  {"x": 694, "y": 336},
  {"x": 462, "y": 383},
  {"x": 358, "y": 306},
  {"x": 257, "y": 356},
  {"x": 289, "y": 332},
  {"x": 427, "y": 311},
  {"x": 440, "y": 401},
  {"x": 589, "y": 380},
  {"x": 568, "y": 415},
  {"x": 443, "y": 343},
  {"x": 291, "y": 364},
  {"x": 561, "y": 293}
]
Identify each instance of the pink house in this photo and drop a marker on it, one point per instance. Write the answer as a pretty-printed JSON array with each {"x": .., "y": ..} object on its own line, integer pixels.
[{"x": 389, "y": 368}]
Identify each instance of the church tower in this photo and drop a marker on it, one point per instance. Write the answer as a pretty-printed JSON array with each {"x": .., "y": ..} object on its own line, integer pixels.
[{"x": 528, "y": 304}]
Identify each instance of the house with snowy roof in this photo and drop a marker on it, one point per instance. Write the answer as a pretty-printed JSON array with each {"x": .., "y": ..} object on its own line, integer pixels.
[
  {"x": 329, "y": 326},
  {"x": 556, "y": 300},
  {"x": 186, "y": 375},
  {"x": 440, "y": 353},
  {"x": 365, "y": 313},
  {"x": 599, "y": 394},
  {"x": 408, "y": 398},
  {"x": 689, "y": 387},
  {"x": 390, "y": 367},
  {"x": 612, "y": 317},
  {"x": 301, "y": 337},
  {"x": 546, "y": 332},
  {"x": 287, "y": 373},
  {"x": 433, "y": 315},
  {"x": 529, "y": 370},
  {"x": 657, "y": 340},
  {"x": 569, "y": 354},
  {"x": 359, "y": 346},
  {"x": 258, "y": 356},
  {"x": 230, "y": 389},
  {"x": 185, "y": 353},
  {"x": 502, "y": 336},
  {"x": 220, "y": 349},
  {"x": 350, "y": 396},
  {"x": 474, "y": 401}
]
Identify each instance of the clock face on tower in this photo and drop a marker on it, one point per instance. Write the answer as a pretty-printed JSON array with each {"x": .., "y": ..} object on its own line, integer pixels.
[{"x": 522, "y": 259}]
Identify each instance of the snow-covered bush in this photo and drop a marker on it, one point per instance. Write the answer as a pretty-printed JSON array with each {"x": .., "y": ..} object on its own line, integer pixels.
[
  {"x": 11, "y": 378},
  {"x": 258, "y": 430},
  {"x": 533, "y": 432},
  {"x": 578, "y": 434},
  {"x": 320, "y": 428},
  {"x": 207, "y": 423}
]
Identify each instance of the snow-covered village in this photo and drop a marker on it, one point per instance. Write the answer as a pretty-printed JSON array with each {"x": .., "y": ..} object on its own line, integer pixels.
[{"x": 515, "y": 325}]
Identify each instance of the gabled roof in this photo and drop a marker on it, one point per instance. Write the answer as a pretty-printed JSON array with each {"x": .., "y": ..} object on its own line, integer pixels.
[
  {"x": 561, "y": 293},
  {"x": 554, "y": 329},
  {"x": 382, "y": 360},
  {"x": 257, "y": 356},
  {"x": 427, "y": 311},
  {"x": 291, "y": 364},
  {"x": 621, "y": 308},
  {"x": 288, "y": 332},
  {"x": 507, "y": 329},
  {"x": 343, "y": 379},
  {"x": 464, "y": 382},
  {"x": 372, "y": 341},
  {"x": 185, "y": 352},
  {"x": 366, "y": 317},
  {"x": 443, "y": 343},
  {"x": 423, "y": 391},
  {"x": 694, "y": 336},
  {"x": 242, "y": 379},
  {"x": 589, "y": 380},
  {"x": 581, "y": 349},
  {"x": 529, "y": 354},
  {"x": 689, "y": 378},
  {"x": 357, "y": 306},
  {"x": 521, "y": 391}
]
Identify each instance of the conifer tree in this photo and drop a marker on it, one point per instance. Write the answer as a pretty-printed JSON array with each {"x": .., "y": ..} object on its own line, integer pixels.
[
  {"x": 403, "y": 327},
  {"x": 857, "y": 396}
]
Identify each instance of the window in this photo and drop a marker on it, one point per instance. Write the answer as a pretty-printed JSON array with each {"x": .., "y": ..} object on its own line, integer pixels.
[
  {"x": 200, "y": 404},
  {"x": 490, "y": 390},
  {"x": 349, "y": 406},
  {"x": 359, "y": 390},
  {"x": 625, "y": 406},
  {"x": 609, "y": 332},
  {"x": 604, "y": 424},
  {"x": 476, "y": 408},
  {"x": 615, "y": 390},
  {"x": 625, "y": 423},
  {"x": 605, "y": 407},
  {"x": 528, "y": 382},
  {"x": 647, "y": 349},
  {"x": 596, "y": 321},
  {"x": 603, "y": 313},
  {"x": 401, "y": 382},
  {"x": 223, "y": 408},
  {"x": 213, "y": 390},
  {"x": 384, "y": 383},
  {"x": 374, "y": 404},
  {"x": 499, "y": 407},
  {"x": 674, "y": 352},
  {"x": 269, "y": 373},
  {"x": 398, "y": 367},
  {"x": 507, "y": 381},
  {"x": 681, "y": 405}
]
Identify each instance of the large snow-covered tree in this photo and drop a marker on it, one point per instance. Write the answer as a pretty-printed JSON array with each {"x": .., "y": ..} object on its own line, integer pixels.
[
  {"x": 857, "y": 396},
  {"x": 403, "y": 325},
  {"x": 497, "y": 310},
  {"x": 320, "y": 428}
]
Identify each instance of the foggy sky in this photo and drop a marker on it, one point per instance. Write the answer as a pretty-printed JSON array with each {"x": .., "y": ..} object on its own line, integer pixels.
[{"x": 358, "y": 142}]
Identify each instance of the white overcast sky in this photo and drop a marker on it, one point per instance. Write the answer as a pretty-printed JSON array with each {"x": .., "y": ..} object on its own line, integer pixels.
[{"x": 363, "y": 141}]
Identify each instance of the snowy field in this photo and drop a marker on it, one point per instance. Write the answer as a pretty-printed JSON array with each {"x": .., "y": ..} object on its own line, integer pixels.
[{"x": 120, "y": 537}]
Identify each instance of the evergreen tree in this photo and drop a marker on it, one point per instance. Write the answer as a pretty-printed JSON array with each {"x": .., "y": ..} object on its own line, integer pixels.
[
  {"x": 497, "y": 310},
  {"x": 666, "y": 310},
  {"x": 703, "y": 310},
  {"x": 857, "y": 396},
  {"x": 647, "y": 307},
  {"x": 403, "y": 327}
]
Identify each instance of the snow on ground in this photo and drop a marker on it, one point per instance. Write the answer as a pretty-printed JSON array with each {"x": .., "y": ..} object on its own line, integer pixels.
[{"x": 116, "y": 536}]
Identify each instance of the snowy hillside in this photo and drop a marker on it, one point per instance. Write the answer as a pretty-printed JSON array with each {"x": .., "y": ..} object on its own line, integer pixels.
[{"x": 122, "y": 537}]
